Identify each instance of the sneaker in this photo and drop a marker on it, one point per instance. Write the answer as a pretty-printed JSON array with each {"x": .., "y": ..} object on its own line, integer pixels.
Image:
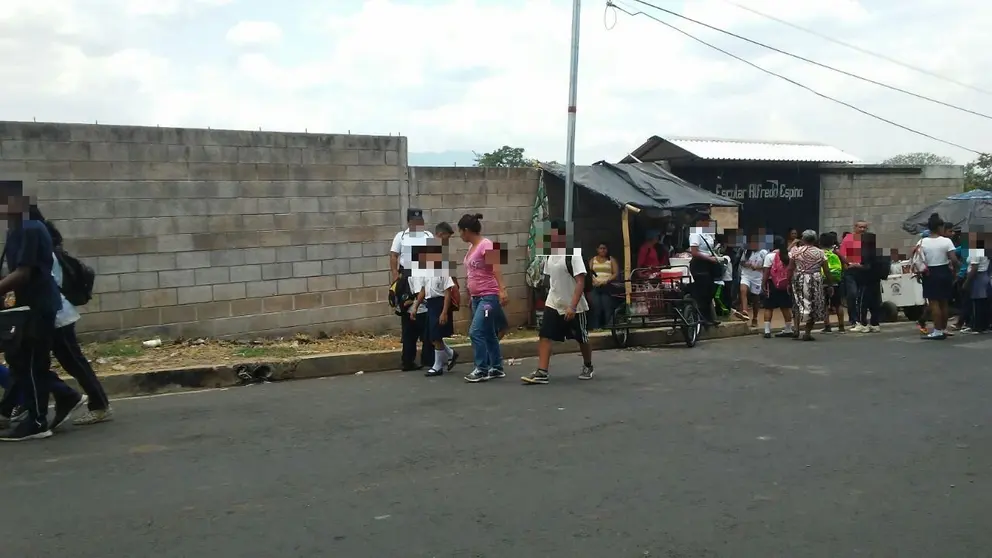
[
  {"x": 94, "y": 417},
  {"x": 20, "y": 413},
  {"x": 767, "y": 336},
  {"x": 537, "y": 377},
  {"x": 64, "y": 409},
  {"x": 587, "y": 373},
  {"x": 859, "y": 329},
  {"x": 453, "y": 360},
  {"x": 27, "y": 430},
  {"x": 496, "y": 373},
  {"x": 874, "y": 329},
  {"x": 783, "y": 334},
  {"x": 477, "y": 376},
  {"x": 826, "y": 330}
]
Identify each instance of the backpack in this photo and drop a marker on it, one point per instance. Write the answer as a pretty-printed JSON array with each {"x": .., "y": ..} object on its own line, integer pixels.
[
  {"x": 400, "y": 298},
  {"x": 833, "y": 263},
  {"x": 779, "y": 274},
  {"x": 77, "y": 278}
]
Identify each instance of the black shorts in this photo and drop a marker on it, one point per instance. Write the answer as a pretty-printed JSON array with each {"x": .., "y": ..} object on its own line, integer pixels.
[
  {"x": 938, "y": 284},
  {"x": 833, "y": 300},
  {"x": 434, "y": 330},
  {"x": 776, "y": 299},
  {"x": 555, "y": 327}
]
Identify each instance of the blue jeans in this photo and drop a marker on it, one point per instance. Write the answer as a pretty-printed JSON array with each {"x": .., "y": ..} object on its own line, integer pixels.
[{"x": 487, "y": 321}]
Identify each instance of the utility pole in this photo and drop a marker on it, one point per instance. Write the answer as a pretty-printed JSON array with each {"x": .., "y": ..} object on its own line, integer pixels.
[{"x": 572, "y": 100}]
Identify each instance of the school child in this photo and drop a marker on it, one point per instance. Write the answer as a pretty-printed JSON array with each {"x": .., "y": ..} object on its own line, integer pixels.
[
  {"x": 833, "y": 297},
  {"x": 432, "y": 309},
  {"x": 977, "y": 285}
]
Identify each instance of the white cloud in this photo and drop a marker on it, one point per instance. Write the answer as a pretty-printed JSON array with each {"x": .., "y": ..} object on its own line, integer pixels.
[
  {"x": 464, "y": 74},
  {"x": 246, "y": 33}
]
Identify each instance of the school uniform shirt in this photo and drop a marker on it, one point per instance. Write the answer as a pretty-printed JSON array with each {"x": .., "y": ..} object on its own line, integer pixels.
[
  {"x": 403, "y": 244},
  {"x": 978, "y": 260},
  {"x": 434, "y": 287},
  {"x": 704, "y": 241},
  {"x": 754, "y": 276},
  {"x": 935, "y": 250},
  {"x": 68, "y": 314},
  {"x": 561, "y": 286},
  {"x": 30, "y": 245}
]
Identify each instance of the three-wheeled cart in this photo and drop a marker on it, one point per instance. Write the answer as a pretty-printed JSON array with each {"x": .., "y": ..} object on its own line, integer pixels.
[{"x": 654, "y": 298}]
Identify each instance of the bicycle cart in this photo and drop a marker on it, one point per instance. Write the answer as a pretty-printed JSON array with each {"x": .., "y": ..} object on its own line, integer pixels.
[
  {"x": 657, "y": 298},
  {"x": 654, "y": 297}
]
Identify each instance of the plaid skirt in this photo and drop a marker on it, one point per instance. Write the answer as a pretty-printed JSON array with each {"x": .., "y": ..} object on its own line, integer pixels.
[{"x": 807, "y": 301}]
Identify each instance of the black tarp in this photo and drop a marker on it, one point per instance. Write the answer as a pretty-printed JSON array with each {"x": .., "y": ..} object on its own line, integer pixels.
[
  {"x": 643, "y": 185},
  {"x": 968, "y": 212}
]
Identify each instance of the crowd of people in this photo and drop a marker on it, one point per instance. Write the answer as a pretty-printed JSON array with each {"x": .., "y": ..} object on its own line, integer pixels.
[{"x": 34, "y": 295}]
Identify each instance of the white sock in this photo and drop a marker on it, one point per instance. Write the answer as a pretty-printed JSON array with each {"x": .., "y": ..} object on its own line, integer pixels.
[
  {"x": 788, "y": 327},
  {"x": 768, "y": 327},
  {"x": 448, "y": 351},
  {"x": 439, "y": 360}
]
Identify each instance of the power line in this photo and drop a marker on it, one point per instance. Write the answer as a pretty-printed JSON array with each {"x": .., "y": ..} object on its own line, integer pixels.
[
  {"x": 862, "y": 50},
  {"x": 792, "y": 81},
  {"x": 814, "y": 62}
]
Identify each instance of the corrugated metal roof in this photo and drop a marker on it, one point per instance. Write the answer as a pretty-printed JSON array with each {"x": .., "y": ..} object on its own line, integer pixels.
[
  {"x": 736, "y": 150},
  {"x": 676, "y": 148}
]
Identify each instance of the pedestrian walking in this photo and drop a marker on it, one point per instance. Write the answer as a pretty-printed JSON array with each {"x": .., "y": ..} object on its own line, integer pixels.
[
  {"x": 400, "y": 265},
  {"x": 939, "y": 266},
  {"x": 433, "y": 286},
  {"x": 28, "y": 252},
  {"x": 808, "y": 267},
  {"x": 565, "y": 309},
  {"x": 483, "y": 264},
  {"x": 776, "y": 289}
]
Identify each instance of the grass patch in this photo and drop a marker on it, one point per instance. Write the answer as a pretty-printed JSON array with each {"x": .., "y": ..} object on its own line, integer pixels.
[
  {"x": 122, "y": 348},
  {"x": 264, "y": 352}
]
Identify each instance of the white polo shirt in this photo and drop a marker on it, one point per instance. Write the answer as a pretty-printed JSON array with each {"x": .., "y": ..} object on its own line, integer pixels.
[{"x": 404, "y": 241}]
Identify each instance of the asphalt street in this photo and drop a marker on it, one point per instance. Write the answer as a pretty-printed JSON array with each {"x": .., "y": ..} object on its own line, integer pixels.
[{"x": 878, "y": 445}]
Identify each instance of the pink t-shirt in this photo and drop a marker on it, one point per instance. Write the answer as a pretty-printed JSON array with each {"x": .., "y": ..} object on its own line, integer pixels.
[{"x": 481, "y": 279}]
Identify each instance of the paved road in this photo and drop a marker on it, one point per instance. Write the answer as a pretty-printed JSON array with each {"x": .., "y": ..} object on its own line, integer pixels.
[{"x": 876, "y": 446}]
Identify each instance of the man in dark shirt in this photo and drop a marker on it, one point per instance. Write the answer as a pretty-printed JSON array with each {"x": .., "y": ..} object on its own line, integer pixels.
[{"x": 28, "y": 254}]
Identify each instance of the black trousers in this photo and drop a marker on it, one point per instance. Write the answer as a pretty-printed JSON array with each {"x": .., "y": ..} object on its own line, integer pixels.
[
  {"x": 31, "y": 366},
  {"x": 869, "y": 300},
  {"x": 980, "y": 311},
  {"x": 703, "y": 288},
  {"x": 413, "y": 333},
  {"x": 67, "y": 351}
]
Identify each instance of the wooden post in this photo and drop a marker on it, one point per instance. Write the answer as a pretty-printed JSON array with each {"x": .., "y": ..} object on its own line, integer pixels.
[{"x": 625, "y": 225}]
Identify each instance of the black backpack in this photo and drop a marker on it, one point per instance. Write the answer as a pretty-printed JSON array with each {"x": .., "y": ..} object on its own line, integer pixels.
[{"x": 77, "y": 278}]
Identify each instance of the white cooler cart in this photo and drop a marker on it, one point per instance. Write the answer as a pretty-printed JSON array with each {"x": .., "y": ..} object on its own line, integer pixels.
[{"x": 905, "y": 292}]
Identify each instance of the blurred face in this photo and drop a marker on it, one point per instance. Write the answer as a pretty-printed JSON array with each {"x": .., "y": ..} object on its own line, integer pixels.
[
  {"x": 860, "y": 227},
  {"x": 793, "y": 234},
  {"x": 752, "y": 242},
  {"x": 601, "y": 251},
  {"x": 557, "y": 238},
  {"x": 416, "y": 224},
  {"x": 14, "y": 205},
  {"x": 443, "y": 237}
]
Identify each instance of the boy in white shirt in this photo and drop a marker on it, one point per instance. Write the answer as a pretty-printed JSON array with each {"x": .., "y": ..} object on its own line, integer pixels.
[
  {"x": 432, "y": 285},
  {"x": 565, "y": 308}
]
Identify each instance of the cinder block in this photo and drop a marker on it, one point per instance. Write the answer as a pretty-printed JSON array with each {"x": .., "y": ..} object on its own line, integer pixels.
[
  {"x": 321, "y": 251},
  {"x": 306, "y": 269},
  {"x": 349, "y": 281},
  {"x": 184, "y": 225},
  {"x": 321, "y": 284},
  {"x": 222, "y": 171},
  {"x": 273, "y": 205},
  {"x": 246, "y": 307},
  {"x": 117, "y": 264},
  {"x": 141, "y": 318},
  {"x": 213, "y": 310},
  {"x": 229, "y": 291},
  {"x": 304, "y": 205},
  {"x": 93, "y": 247},
  {"x": 225, "y": 223},
  {"x": 337, "y": 267},
  {"x": 159, "y": 297},
  {"x": 259, "y": 222},
  {"x": 260, "y": 289},
  {"x": 139, "y": 281},
  {"x": 180, "y": 278},
  {"x": 212, "y": 275},
  {"x": 275, "y": 238},
  {"x": 254, "y": 256},
  {"x": 156, "y": 262},
  {"x": 246, "y": 273},
  {"x": 336, "y": 298},
  {"x": 208, "y": 153},
  {"x": 282, "y": 303},
  {"x": 277, "y": 271},
  {"x": 307, "y": 301},
  {"x": 195, "y": 295},
  {"x": 106, "y": 284},
  {"x": 291, "y": 254},
  {"x": 137, "y": 245},
  {"x": 192, "y": 260},
  {"x": 115, "y": 302},
  {"x": 292, "y": 286},
  {"x": 175, "y": 243},
  {"x": 227, "y": 258}
]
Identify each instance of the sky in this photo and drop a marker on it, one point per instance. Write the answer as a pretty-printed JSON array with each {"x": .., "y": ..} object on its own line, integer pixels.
[{"x": 457, "y": 76}]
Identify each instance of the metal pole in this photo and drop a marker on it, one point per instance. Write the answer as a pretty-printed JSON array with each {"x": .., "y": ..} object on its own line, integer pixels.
[{"x": 572, "y": 100}]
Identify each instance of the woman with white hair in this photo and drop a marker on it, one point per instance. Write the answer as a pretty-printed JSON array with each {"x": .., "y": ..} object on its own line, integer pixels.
[{"x": 808, "y": 268}]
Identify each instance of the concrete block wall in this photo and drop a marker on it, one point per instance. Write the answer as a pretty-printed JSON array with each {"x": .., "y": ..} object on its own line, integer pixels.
[
  {"x": 219, "y": 233},
  {"x": 504, "y": 197},
  {"x": 883, "y": 196}
]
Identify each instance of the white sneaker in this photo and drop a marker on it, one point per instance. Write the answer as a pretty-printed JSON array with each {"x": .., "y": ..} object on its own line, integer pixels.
[
  {"x": 858, "y": 328},
  {"x": 874, "y": 329}
]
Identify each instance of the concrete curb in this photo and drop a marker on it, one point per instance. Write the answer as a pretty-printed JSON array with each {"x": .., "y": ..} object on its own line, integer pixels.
[{"x": 343, "y": 364}]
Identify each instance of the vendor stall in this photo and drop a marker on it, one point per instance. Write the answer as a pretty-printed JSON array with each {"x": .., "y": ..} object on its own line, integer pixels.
[{"x": 650, "y": 204}]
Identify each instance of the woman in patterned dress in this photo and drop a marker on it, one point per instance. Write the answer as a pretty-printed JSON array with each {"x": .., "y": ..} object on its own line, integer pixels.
[{"x": 808, "y": 267}]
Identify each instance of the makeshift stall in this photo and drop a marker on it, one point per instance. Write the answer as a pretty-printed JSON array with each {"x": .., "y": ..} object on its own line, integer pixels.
[{"x": 653, "y": 198}]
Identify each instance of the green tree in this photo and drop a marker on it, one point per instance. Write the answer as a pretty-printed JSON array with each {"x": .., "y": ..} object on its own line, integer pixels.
[
  {"x": 978, "y": 173},
  {"x": 505, "y": 156},
  {"x": 918, "y": 159}
]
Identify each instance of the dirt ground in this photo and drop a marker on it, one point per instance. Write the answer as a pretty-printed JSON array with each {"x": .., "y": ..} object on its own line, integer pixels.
[{"x": 132, "y": 355}]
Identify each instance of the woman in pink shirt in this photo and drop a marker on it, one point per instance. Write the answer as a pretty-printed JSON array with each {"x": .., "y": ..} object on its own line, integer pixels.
[{"x": 488, "y": 293}]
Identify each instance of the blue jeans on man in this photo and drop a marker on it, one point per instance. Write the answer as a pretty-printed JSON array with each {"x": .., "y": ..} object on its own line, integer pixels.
[
  {"x": 488, "y": 319},
  {"x": 853, "y": 295}
]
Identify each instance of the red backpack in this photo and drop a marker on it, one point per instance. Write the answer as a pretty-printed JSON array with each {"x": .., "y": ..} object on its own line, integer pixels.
[{"x": 779, "y": 274}]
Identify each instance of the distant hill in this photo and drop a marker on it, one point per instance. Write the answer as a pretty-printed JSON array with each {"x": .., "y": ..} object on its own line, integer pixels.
[{"x": 442, "y": 159}]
